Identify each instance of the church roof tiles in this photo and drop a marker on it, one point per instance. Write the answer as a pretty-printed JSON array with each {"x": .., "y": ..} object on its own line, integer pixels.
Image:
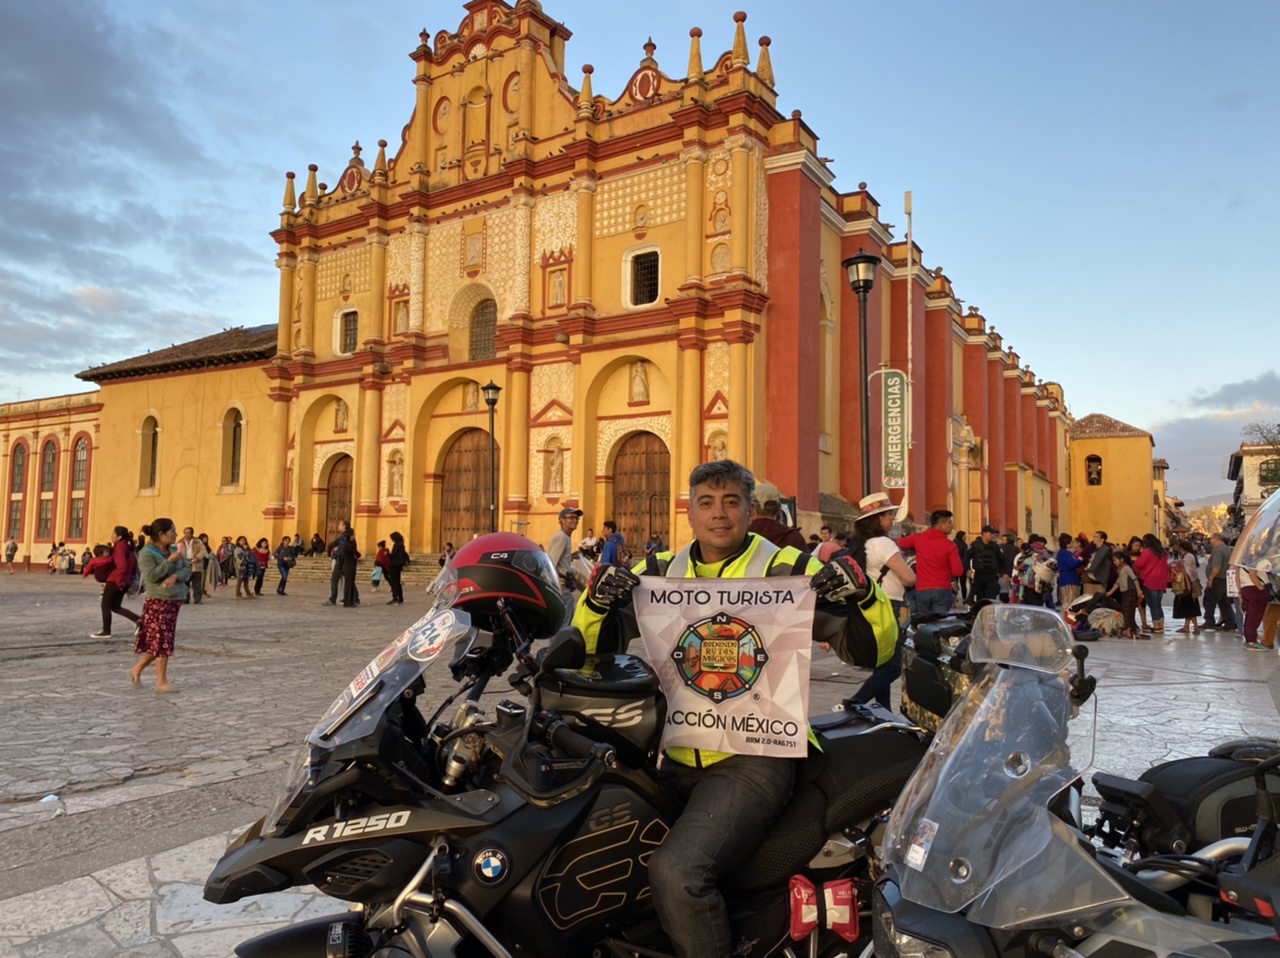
[
  {"x": 236, "y": 345},
  {"x": 1098, "y": 426}
]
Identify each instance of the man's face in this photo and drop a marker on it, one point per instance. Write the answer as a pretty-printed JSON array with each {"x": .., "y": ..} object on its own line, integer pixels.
[
  {"x": 946, "y": 525},
  {"x": 718, "y": 516},
  {"x": 188, "y": 533},
  {"x": 987, "y": 537},
  {"x": 1098, "y": 540},
  {"x": 569, "y": 523},
  {"x": 825, "y": 533}
]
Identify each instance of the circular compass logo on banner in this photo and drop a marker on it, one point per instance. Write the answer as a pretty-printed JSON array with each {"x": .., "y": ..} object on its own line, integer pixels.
[{"x": 720, "y": 657}]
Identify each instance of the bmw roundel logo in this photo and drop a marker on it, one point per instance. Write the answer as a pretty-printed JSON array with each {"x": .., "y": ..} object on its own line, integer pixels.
[{"x": 490, "y": 866}]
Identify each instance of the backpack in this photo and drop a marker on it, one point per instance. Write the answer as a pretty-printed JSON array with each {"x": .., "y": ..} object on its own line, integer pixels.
[{"x": 624, "y": 554}]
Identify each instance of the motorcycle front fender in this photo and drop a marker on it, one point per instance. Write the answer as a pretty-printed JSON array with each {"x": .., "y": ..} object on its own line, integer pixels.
[{"x": 307, "y": 939}]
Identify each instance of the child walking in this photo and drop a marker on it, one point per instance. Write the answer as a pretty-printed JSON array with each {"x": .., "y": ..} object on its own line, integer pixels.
[{"x": 1129, "y": 593}]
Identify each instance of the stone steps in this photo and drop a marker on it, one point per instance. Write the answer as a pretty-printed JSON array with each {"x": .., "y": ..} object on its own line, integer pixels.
[{"x": 421, "y": 570}]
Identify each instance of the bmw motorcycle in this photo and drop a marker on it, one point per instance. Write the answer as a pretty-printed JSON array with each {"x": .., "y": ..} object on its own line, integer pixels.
[
  {"x": 986, "y": 853},
  {"x": 525, "y": 826}
]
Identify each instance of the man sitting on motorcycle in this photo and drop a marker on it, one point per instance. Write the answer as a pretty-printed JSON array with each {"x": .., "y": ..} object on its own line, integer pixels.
[{"x": 728, "y": 798}]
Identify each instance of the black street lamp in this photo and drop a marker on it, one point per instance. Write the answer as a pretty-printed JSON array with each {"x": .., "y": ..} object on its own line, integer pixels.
[
  {"x": 861, "y": 269},
  {"x": 491, "y": 400}
]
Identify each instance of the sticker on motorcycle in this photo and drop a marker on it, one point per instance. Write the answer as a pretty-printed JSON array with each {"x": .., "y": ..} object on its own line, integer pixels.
[
  {"x": 921, "y": 842},
  {"x": 490, "y": 866},
  {"x": 357, "y": 826},
  {"x": 429, "y": 638}
]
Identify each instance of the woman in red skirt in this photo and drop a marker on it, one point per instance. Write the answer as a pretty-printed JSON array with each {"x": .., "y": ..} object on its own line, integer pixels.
[{"x": 165, "y": 573}]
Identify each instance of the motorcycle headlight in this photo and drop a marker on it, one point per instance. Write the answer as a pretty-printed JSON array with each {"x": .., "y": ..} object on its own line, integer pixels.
[
  {"x": 891, "y": 943},
  {"x": 298, "y": 779}
]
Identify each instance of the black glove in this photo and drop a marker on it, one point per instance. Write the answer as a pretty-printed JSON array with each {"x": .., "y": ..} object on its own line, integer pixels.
[
  {"x": 841, "y": 579},
  {"x": 609, "y": 583}
]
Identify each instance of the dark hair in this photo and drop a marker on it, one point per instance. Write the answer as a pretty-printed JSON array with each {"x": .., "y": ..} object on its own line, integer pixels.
[
  {"x": 261, "y": 541},
  {"x": 1121, "y": 556},
  {"x": 962, "y": 536},
  {"x": 1101, "y": 535},
  {"x": 721, "y": 471},
  {"x": 611, "y": 525},
  {"x": 397, "y": 537},
  {"x": 868, "y": 527},
  {"x": 1152, "y": 542},
  {"x": 158, "y": 527},
  {"x": 939, "y": 515},
  {"x": 123, "y": 533},
  {"x": 245, "y": 539},
  {"x": 382, "y": 543},
  {"x": 1065, "y": 540}
]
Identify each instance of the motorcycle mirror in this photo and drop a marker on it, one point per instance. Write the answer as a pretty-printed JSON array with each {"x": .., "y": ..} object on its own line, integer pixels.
[{"x": 568, "y": 650}]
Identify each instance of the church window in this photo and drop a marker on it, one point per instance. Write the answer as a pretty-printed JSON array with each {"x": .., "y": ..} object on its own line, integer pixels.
[
  {"x": 15, "y": 519},
  {"x": 1269, "y": 472},
  {"x": 80, "y": 465},
  {"x": 1093, "y": 470},
  {"x": 348, "y": 332},
  {"x": 44, "y": 523},
  {"x": 150, "y": 453},
  {"x": 48, "y": 466},
  {"x": 644, "y": 277},
  {"x": 232, "y": 446},
  {"x": 484, "y": 330},
  {"x": 75, "y": 525},
  {"x": 18, "y": 483}
]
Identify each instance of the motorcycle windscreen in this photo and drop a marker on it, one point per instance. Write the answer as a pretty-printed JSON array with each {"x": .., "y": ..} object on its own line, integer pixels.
[{"x": 974, "y": 816}]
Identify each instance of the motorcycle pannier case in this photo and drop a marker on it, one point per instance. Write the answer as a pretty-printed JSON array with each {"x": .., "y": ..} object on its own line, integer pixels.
[{"x": 1214, "y": 796}]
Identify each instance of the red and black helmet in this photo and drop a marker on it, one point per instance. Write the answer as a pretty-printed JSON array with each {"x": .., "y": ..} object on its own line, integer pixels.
[{"x": 503, "y": 565}]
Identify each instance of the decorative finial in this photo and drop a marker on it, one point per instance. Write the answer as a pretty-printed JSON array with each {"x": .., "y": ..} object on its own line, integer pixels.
[
  {"x": 356, "y": 148},
  {"x": 586, "y": 99},
  {"x": 290, "y": 198},
  {"x": 312, "y": 194},
  {"x": 649, "y": 47},
  {"x": 739, "y": 57},
  {"x": 862, "y": 185},
  {"x": 695, "y": 54},
  {"x": 424, "y": 36},
  {"x": 380, "y": 164},
  {"x": 764, "y": 65},
  {"x": 796, "y": 114},
  {"x": 937, "y": 272}
]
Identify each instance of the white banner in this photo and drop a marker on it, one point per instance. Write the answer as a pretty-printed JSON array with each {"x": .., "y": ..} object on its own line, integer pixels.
[{"x": 733, "y": 657}]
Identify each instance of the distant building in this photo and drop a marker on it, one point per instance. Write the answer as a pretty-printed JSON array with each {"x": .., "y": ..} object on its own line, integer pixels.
[
  {"x": 1255, "y": 469},
  {"x": 1116, "y": 485}
]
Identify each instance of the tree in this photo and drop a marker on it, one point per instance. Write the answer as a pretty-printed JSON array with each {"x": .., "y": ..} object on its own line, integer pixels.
[{"x": 1260, "y": 433}]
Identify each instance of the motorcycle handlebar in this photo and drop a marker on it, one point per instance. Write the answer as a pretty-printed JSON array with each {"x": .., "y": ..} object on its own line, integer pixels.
[{"x": 566, "y": 739}]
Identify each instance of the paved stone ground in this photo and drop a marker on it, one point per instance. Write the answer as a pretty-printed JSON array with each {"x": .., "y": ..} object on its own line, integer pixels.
[{"x": 150, "y": 788}]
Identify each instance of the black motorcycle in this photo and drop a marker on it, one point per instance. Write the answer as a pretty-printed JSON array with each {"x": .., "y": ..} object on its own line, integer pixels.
[
  {"x": 986, "y": 853},
  {"x": 526, "y": 827}
]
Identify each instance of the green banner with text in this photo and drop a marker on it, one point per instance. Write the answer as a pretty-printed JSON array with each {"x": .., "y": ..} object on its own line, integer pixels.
[{"x": 893, "y": 429}]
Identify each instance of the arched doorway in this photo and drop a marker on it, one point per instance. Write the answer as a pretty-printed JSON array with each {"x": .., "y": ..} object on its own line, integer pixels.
[
  {"x": 337, "y": 497},
  {"x": 464, "y": 491},
  {"x": 642, "y": 490}
]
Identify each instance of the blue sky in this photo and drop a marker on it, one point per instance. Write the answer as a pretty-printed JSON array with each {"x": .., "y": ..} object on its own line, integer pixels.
[{"x": 1098, "y": 177}]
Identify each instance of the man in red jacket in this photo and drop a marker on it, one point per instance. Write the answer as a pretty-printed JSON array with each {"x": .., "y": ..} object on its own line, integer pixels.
[{"x": 937, "y": 563}]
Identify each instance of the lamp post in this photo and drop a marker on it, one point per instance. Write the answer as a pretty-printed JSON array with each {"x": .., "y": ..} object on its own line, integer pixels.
[
  {"x": 861, "y": 270},
  {"x": 491, "y": 391}
]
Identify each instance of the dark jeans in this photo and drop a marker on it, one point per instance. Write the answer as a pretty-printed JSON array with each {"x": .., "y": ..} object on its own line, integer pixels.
[
  {"x": 986, "y": 585},
  {"x": 257, "y": 582},
  {"x": 393, "y": 577},
  {"x": 195, "y": 589},
  {"x": 335, "y": 582},
  {"x": 1155, "y": 605},
  {"x": 876, "y": 687},
  {"x": 1215, "y": 600},
  {"x": 729, "y": 809},
  {"x": 284, "y": 577},
  {"x": 112, "y": 596},
  {"x": 933, "y": 600}
]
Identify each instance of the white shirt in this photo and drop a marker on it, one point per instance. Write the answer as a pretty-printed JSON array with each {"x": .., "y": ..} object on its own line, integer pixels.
[{"x": 879, "y": 551}]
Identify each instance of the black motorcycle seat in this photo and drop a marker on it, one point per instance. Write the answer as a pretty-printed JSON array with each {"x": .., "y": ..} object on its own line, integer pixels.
[
  {"x": 853, "y": 778},
  {"x": 611, "y": 675}
]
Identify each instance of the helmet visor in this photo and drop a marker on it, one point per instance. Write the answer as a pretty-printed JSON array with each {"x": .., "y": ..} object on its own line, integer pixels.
[{"x": 1258, "y": 547}]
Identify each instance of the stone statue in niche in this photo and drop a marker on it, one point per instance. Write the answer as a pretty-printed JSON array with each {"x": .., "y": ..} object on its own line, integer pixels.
[
  {"x": 557, "y": 288},
  {"x": 720, "y": 259},
  {"x": 474, "y": 249},
  {"x": 340, "y": 417},
  {"x": 471, "y": 397},
  {"x": 346, "y": 284},
  {"x": 720, "y": 221},
  {"x": 642, "y": 217},
  {"x": 555, "y": 471},
  {"x": 395, "y": 479},
  {"x": 719, "y": 449},
  {"x": 402, "y": 316},
  {"x": 640, "y": 381}
]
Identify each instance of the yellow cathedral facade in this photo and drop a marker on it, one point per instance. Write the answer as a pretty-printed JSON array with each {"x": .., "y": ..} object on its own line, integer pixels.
[{"x": 645, "y": 281}]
